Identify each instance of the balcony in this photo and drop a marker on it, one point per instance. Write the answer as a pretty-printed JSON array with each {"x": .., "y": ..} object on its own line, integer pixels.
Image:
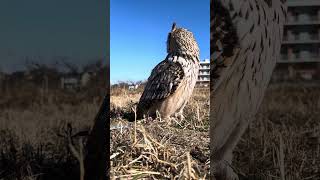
[
  {"x": 301, "y": 38},
  {"x": 310, "y": 60},
  {"x": 301, "y": 42},
  {"x": 304, "y": 16},
  {"x": 204, "y": 72},
  {"x": 303, "y": 19},
  {"x": 204, "y": 67},
  {"x": 300, "y": 57},
  {"x": 299, "y": 22},
  {"x": 203, "y": 75},
  {"x": 203, "y": 80}
]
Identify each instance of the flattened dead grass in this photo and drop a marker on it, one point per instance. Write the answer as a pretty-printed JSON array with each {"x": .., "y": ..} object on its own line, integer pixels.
[{"x": 161, "y": 149}]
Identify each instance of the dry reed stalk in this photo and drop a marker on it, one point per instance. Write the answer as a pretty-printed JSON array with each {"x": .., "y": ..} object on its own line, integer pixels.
[{"x": 281, "y": 158}]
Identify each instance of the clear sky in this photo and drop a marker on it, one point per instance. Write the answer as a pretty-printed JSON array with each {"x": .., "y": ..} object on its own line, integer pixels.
[
  {"x": 139, "y": 29},
  {"x": 48, "y": 28}
]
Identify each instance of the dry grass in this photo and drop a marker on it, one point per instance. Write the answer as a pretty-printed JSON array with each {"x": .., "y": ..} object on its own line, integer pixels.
[
  {"x": 30, "y": 145},
  {"x": 283, "y": 141},
  {"x": 160, "y": 149}
]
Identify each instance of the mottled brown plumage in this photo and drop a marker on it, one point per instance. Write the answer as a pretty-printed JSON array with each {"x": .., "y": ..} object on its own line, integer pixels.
[
  {"x": 172, "y": 81},
  {"x": 245, "y": 45}
]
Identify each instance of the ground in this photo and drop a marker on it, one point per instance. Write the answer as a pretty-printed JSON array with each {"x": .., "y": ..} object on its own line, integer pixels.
[
  {"x": 32, "y": 142},
  {"x": 284, "y": 139},
  {"x": 281, "y": 142},
  {"x": 160, "y": 149}
]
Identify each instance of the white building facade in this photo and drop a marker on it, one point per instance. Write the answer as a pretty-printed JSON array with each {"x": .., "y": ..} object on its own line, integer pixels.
[{"x": 204, "y": 74}]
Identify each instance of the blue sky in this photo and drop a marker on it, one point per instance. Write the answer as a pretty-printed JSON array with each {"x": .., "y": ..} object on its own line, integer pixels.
[
  {"x": 139, "y": 29},
  {"x": 73, "y": 28}
]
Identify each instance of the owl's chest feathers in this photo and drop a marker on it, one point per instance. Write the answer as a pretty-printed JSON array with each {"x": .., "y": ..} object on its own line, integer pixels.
[
  {"x": 251, "y": 70},
  {"x": 259, "y": 30}
]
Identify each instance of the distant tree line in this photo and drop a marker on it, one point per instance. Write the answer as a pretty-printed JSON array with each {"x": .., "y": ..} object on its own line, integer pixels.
[{"x": 49, "y": 76}]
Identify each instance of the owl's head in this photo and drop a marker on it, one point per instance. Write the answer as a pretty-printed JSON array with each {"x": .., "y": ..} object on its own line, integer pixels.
[{"x": 181, "y": 41}]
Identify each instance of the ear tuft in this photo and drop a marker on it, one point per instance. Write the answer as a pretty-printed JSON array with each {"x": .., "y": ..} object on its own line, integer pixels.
[{"x": 173, "y": 26}]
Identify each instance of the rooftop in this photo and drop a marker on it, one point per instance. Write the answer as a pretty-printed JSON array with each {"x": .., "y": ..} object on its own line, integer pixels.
[{"x": 205, "y": 61}]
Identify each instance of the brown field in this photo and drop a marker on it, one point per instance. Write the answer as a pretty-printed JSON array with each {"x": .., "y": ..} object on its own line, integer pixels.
[
  {"x": 160, "y": 149},
  {"x": 31, "y": 125},
  {"x": 284, "y": 139}
]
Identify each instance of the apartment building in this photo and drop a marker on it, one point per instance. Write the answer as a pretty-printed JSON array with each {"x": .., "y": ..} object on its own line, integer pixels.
[
  {"x": 300, "y": 51},
  {"x": 204, "y": 74}
]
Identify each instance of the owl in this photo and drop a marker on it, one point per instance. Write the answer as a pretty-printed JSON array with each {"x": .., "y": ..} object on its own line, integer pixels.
[
  {"x": 245, "y": 46},
  {"x": 171, "y": 83}
]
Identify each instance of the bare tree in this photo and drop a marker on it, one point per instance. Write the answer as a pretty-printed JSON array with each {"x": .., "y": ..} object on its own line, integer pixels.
[{"x": 94, "y": 66}]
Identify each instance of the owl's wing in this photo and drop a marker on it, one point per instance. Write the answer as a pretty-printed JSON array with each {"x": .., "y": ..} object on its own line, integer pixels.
[
  {"x": 224, "y": 41},
  {"x": 163, "y": 81}
]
